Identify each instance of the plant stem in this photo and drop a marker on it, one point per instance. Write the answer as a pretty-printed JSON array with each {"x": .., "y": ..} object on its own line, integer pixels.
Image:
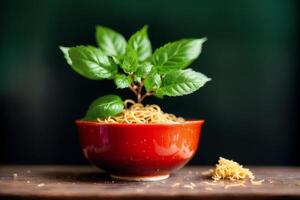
[
  {"x": 132, "y": 87},
  {"x": 147, "y": 94},
  {"x": 139, "y": 92},
  {"x": 138, "y": 89}
]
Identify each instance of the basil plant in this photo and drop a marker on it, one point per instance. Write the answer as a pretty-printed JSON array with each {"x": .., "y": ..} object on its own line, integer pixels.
[{"x": 132, "y": 64}]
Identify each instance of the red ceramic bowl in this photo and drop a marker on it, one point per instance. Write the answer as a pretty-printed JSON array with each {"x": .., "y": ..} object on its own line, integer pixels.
[{"x": 139, "y": 151}]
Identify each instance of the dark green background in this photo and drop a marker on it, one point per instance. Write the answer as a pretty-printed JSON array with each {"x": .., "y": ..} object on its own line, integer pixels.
[{"x": 251, "y": 106}]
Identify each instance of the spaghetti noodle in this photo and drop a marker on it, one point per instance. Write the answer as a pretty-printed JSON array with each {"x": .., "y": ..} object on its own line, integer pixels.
[{"x": 137, "y": 113}]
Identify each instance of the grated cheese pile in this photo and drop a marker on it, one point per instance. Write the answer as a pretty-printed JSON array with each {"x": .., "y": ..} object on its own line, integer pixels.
[
  {"x": 231, "y": 170},
  {"x": 228, "y": 169}
]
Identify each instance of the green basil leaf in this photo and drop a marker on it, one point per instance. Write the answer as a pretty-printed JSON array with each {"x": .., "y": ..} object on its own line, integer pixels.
[
  {"x": 137, "y": 79},
  {"x": 152, "y": 82},
  {"x": 110, "y": 42},
  {"x": 181, "y": 82},
  {"x": 91, "y": 63},
  {"x": 144, "y": 69},
  {"x": 130, "y": 62},
  {"x": 117, "y": 59},
  {"x": 140, "y": 43},
  {"x": 65, "y": 51},
  {"x": 177, "y": 55},
  {"x": 122, "y": 81},
  {"x": 104, "y": 106}
]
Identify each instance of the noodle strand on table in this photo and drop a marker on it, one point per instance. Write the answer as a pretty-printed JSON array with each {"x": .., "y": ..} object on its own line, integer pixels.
[{"x": 137, "y": 113}]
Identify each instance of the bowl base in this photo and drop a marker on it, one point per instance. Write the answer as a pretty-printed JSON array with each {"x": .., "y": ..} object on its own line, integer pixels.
[{"x": 140, "y": 178}]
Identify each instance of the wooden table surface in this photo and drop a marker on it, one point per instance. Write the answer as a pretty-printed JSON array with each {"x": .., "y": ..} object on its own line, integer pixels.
[{"x": 87, "y": 182}]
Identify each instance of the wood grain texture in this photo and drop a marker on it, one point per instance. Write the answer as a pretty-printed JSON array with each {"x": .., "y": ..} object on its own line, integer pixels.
[{"x": 86, "y": 182}]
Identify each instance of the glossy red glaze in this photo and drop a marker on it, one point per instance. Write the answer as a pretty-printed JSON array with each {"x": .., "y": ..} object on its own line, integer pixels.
[{"x": 139, "y": 149}]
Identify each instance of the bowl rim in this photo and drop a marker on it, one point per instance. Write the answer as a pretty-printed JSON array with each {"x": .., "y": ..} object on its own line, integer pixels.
[{"x": 95, "y": 123}]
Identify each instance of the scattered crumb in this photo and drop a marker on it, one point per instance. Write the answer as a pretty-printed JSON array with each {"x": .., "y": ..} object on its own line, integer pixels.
[
  {"x": 235, "y": 185},
  {"x": 209, "y": 183},
  {"x": 208, "y": 188},
  {"x": 225, "y": 184},
  {"x": 188, "y": 186},
  {"x": 15, "y": 175},
  {"x": 175, "y": 184},
  {"x": 257, "y": 182},
  {"x": 192, "y": 184},
  {"x": 41, "y": 185},
  {"x": 27, "y": 181},
  {"x": 207, "y": 173},
  {"x": 271, "y": 181}
]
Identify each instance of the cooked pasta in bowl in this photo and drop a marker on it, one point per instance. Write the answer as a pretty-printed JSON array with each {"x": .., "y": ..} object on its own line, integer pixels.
[
  {"x": 139, "y": 151},
  {"x": 137, "y": 113}
]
